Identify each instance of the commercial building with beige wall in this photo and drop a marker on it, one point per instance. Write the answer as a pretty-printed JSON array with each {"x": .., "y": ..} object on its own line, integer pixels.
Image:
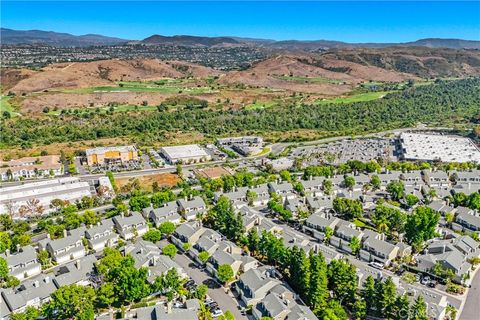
[{"x": 102, "y": 155}]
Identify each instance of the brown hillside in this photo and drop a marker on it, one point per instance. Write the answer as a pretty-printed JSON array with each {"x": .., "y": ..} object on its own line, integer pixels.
[{"x": 99, "y": 73}]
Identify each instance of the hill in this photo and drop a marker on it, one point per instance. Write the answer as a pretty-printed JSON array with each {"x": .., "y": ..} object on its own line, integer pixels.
[
  {"x": 51, "y": 38},
  {"x": 183, "y": 40}
]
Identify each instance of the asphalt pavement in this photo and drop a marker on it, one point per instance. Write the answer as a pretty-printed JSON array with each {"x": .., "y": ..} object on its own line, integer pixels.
[
  {"x": 224, "y": 300},
  {"x": 471, "y": 308}
]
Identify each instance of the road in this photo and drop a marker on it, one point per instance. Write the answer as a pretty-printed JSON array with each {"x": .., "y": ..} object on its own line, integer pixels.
[
  {"x": 471, "y": 308},
  {"x": 224, "y": 300}
]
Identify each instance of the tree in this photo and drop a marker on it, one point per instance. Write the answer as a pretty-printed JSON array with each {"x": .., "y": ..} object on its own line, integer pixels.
[
  {"x": 396, "y": 190},
  {"x": 369, "y": 293},
  {"x": 203, "y": 256},
  {"x": 253, "y": 240},
  {"x": 375, "y": 182},
  {"x": 419, "y": 309},
  {"x": 286, "y": 176},
  {"x": 5, "y": 241},
  {"x": 89, "y": 217},
  {"x": 152, "y": 235},
  {"x": 138, "y": 203},
  {"x": 204, "y": 312},
  {"x": 170, "y": 250},
  {"x": 349, "y": 208},
  {"x": 359, "y": 308},
  {"x": 105, "y": 295},
  {"x": 327, "y": 186},
  {"x": 227, "y": 316},
  {"x": 349, "y": 182},
  {"x": 299, "y": 271},
  {"x": 44, "y": 258},
  {"x": 317, "y": 295},
  {"x": 411, "y": 199},
  {"x": 386, "y": 295},
  {"x": 402, "y": 307},
  {"x": 251, "y": 196},
  {"x": 71, "y": 302},
  {"x": 179, "y": 170},
  {"x": 112, "y": 259},
  {"x": 160, "y": 198},
  {"x": 167, "y": 228},
  {"x": 20, "y": 240},
  {"x": 421, "y": 225},
  {"x": 201, "y": 292},
  {"x": 355, "y": 245},
  {"x": 3, "y": 269},
  {"x": 130, "y": 283},
  {"x": 342, "y": 281},
  {"x": 30, "y": 313},
  {"x": 328, "y": 234},
  {"x": 225, "y": 273},
  {"x": 223, "y": 218}
]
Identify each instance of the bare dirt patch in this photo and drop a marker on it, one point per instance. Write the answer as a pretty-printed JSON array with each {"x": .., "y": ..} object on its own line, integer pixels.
[{"x": 163, "y": 179}]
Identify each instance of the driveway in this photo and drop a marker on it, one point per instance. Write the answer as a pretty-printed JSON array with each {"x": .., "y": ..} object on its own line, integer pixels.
[
  {"x": 471, "y": 308},
  {"x": 224, "y": 300}
]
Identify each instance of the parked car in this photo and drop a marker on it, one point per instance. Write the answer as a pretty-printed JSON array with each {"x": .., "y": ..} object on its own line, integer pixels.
[
  {"x": 217, "y": 313},
  {"x": 376, "y": 265}
]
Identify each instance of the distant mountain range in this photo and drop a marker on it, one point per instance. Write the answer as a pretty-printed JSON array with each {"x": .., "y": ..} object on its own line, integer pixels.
[{"x": 9, "y": 36}]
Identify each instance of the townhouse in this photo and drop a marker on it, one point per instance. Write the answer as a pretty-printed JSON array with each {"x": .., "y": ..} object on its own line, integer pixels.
[
  {"x": 376, "y": 249},
  {"x": 283, "y": 190},
  {"x": 129, "y": 227},
  {"x": 65, "y": 249},
  {"x": 168, "y": 212},
  {"x": 101, "y": 235},
  {"x": 193, "y": 208},
  {"x": 22, "y": 264}
]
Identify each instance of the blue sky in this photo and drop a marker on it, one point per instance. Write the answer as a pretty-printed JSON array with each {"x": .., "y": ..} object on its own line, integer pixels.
[{"x": 377, "y": 21}]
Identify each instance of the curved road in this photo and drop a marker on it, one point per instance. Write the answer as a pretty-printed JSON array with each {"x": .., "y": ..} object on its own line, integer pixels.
[{"x": 471, "y": 308}]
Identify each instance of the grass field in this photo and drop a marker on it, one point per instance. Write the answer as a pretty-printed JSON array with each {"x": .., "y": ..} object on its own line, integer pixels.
[
  {"x": 260, "y": 105},
  {"x": 162, "y": 86},
  {"x": 359, "y": 97},
  {"x": 310, "y": 80},
  {"x": 5, "y": 105}
]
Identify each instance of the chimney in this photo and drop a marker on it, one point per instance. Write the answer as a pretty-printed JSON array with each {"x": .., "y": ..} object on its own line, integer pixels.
[
  {"x": 77, "y": 263},
  {"x": 36, "y": 284},
  {"x": 185, "y": 198},
  {"x": 48, "y": 236},
  {"x": 122, "y": 214},
  {"x": 18, "y": 247},
  {"x": 65, "y": 234},
  {"x": 47, "y": 280},
  {"x": 7, "y": 252},
  {"x": 169, "y": 307},
  {"x": 311, "y": 178}
]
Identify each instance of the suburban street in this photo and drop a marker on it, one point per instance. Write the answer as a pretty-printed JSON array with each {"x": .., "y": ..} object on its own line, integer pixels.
[
  {"x": 471, "y": 308},
  {"x": 224, "y": 300}
]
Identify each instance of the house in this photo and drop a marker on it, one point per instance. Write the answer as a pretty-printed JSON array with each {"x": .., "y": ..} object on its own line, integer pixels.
[
  {"x": 188, "y": 232},
  {"x": 164, "y": 313},
  {"x": 208, "y": 242},
  {"x": 262, "y": 195},
  {"x": 250, "y": 217},
  {"x": 65, "y": 249},
  {"x": 22, "y": 264},
  {"x": 320, "y": 203},
  {"x": 313, "y": 186},
  {"x": 168, "y": 212},
  {"x": 441, "y": 207},
  {"x": 230, "y": 254},
  {"x": 374, "y": 248},
  {"x": 467, "y": 177},
  {"x": 280, "y": 303},
  {"x": 436, "y": 178},
  {"x": 388, "y": 177},
  {"x": 238, "y": 195},
  {"x": 32, "y": 292},
  {"x": 193, "y": 208},
  {"x": 77, "y": 272},
  {"x": 101, "y": 235},
  {"x": 452, "y": 255},
  {"x": 344, "y": 234},
  {"x": 255, "y": 284},
  {"x": 283, "y": 190},
  {"x": 131, "y": 226},
  {"x": 316, "y": 225},
  {"x": 466, "y": 221},
  {"x": 148, "y": 255},
  {"x": 31, "y": 167},
  {"x": 413, "y": 178}
]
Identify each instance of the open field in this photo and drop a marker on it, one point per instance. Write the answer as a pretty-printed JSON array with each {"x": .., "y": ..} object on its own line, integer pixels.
[
  {"x": 163, "y": 180},
  {"x": 359, "y": 97},
  {"x": 310, "y": 80},
  {"x": 5, "y": 104}
]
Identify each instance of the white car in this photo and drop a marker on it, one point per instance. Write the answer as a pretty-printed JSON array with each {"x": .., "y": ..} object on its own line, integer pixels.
[
  {"x": 376, "y": 265},
  {"x": 217, "y": 313}
]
